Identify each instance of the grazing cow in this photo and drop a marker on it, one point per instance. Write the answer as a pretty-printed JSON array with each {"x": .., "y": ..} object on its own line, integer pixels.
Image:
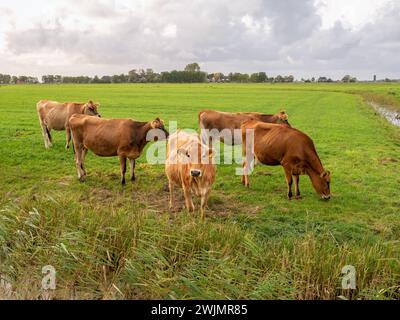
[
  {"x": 226, "y": 123},
  {"x": 189, "y": 165},
  {"x": 124, "y": 138},
  {"x": 55, "y": 115},
  {"x": 295, "y": 151}
]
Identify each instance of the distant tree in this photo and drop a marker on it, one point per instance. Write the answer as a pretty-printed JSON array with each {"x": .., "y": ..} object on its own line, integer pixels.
[
  {"x": 96, "y": 79},
  {"x": 115, "y": 78},
  {"x": 289, "y": 78},
  {"x": 279, "y": 78},
  {"x": 57, "y": 79},
  {"x": 254, "y": 77},
  {"x": 32, "y": 80},
  {"x": 183, "y": 76},
  {"x": 258, "y": 77},
  {"x": 192, "y": 67},
  {"x": 5, "y": 78},
  {"x": 105, "y": 79},
  {"x": 133, "y": 76},
  {"x": 150, "y": 75},
  {"x": 347, "y": 78},
  {"x": 218, "y": 76},
  {"x": 239, "y": 77},
  {"x": 22, "y": 79},
  {"x": 262, "y": 77},
  {"x": 48, "y": 79}
]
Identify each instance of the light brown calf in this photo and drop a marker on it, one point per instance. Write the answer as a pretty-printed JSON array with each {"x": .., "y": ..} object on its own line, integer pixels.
[
  {"x": 189, "y": 165},
  {"x": 124, "y": 138},
  {"x": 292, "y": 149},
  {"x": 55, "y": 115},
  {"x": 226, "y": 122}
]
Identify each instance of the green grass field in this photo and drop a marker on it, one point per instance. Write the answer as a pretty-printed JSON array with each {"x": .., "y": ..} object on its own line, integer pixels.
[{"x": 112, "y": 242}]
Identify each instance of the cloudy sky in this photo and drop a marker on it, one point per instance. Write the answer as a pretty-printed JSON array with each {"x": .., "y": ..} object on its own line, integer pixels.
[{"x": 300, "y": 37}]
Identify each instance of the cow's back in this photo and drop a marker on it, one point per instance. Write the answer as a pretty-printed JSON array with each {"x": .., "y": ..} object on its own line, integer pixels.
[
  {"x": 102, "y": 136},
  {"x": 54, "y": 114},
  {"x": 274, "y": 143},
  {"x": 210, "y": 119}
]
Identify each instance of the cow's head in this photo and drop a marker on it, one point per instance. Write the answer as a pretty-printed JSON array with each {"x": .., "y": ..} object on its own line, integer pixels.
[
  {"x": 90, "y": 109},
  {"x": 158, "y": 124},
  {"x": 196, "y": 156},
  {"x": 322, "y": 184},
  {"x": 282, "y": 118}
]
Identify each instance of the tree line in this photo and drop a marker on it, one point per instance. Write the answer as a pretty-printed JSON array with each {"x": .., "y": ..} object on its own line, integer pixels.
[{"x": 191, "y": 74}]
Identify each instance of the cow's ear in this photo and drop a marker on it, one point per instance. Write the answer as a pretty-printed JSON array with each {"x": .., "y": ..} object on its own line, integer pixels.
[
  {"x": 325, "y": 175},
  {"x": 90, "y": 102}
]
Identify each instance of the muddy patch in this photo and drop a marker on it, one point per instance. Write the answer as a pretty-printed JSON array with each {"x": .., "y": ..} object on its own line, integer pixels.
[
  {"x": 219, "y": 205},
  {"x": 388, "y": 112},
  {"x": 387, "y": 160}
]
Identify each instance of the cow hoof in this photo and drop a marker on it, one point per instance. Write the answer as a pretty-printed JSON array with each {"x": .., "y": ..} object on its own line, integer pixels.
[
  {"x": 299, "y": 197},
  {"x": 123, "y": 183}
]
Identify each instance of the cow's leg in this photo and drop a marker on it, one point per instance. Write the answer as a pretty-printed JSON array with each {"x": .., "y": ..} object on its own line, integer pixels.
[
  {"x": 45, "y": 130},
  {"x": 48, "y": 135},
  {"x": 79, "y": 163},
  {"x": 204, "y": 201},
  {"x": 188, "y": 198},
  {"x": 246, "y": 165},
  {"x": 289, "y": 181},
  {"x": 296, "y": 186},
  {"x": 132, "y": 164},
  {"x": 171, "y": 195},
  {"x": 84, "y": 152},
  {"x": 44, "y": 134},
  {"x": 245, "y": 176},
  {"x": 68, "y": 137},
  {"x": 122, "y": 163}
]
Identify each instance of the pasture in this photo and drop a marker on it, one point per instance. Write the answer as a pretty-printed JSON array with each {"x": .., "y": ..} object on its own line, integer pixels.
[{"x": 112, "y": 242}]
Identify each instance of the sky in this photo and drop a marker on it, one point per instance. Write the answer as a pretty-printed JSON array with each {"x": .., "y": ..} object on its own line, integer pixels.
[{"x": 304, "y": 38}]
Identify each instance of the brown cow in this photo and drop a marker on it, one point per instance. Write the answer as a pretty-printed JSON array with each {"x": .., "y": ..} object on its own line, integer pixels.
[
  {"x": 189, "y": 165},
  {"x": 295, "y": 151},
  {"x": 55, "y": 115},
  {"x": 227, "y": 123},
  {"x": 124, "y": 138}
]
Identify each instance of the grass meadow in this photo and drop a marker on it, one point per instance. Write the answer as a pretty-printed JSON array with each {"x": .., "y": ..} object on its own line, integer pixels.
[{"x": 106, "y": 241}]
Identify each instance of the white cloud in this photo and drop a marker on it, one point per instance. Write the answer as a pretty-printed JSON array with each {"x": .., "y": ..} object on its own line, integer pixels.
[
  {"x": 305, "y": 38},
  {"x": 169, "y": 31}
]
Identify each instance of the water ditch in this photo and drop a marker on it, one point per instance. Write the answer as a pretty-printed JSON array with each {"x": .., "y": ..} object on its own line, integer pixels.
[{"x": 388, "y": 112}]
